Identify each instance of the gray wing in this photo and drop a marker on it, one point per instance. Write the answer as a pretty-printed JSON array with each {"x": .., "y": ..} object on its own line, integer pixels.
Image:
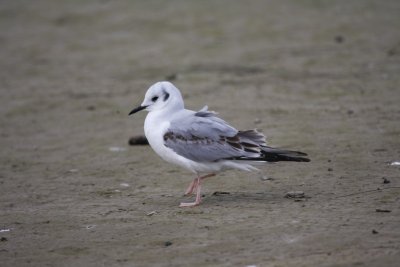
[{"x": 204, "y": 137}]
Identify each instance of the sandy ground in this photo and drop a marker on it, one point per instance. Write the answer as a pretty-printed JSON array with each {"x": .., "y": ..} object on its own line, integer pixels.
[{"x": 317, "y": 76}]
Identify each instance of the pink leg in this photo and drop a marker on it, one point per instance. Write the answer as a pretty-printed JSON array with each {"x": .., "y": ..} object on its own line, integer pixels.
[
  {"x": 190, "y": 189},
  {"x": 196, "y": 184}
]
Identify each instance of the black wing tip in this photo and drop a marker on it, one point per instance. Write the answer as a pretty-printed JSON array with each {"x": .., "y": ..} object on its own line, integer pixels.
[
  {"x": 272, "y": 158},
  {"x": 288, "y": 156},
  {"x": 271, "y": 154},
  {"x": 276, "y": 157}
]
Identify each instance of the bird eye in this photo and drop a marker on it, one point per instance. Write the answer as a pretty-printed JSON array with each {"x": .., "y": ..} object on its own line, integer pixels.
[
  {"x": 154, "y": 99},
  {"x": 166, "y": 96}
]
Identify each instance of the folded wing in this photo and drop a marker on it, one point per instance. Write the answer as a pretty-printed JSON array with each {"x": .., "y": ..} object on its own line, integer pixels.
[{"x": 204, "y": 137}]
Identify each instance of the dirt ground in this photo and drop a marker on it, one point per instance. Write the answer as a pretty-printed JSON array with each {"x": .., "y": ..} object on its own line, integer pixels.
[{"x": 317, "y": 76}]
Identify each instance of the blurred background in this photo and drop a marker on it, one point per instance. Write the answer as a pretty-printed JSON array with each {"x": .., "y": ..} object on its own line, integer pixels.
[{"x": 317, "y": 76}]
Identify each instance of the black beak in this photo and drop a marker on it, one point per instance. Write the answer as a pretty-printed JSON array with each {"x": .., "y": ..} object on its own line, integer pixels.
[{"x": 139, "y": 108}]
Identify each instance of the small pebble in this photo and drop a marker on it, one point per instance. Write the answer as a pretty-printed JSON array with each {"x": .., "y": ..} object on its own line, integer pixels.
[
  {"x": 171, "y": 77},
  {"x": 382, "y": 210},
  {"x": 391, "y": 52},
  {"x": 339, "y": 39},
  {"x": 139, "y": 140},
  {"x": 219, "y": 193},
  {"x": 380, "y": 150},
  {"x": 151, "y": 213},
  {"x": 295, "y": 194},
  {"x": 257, "y": 121},
  {"x": 116, "y": 149},
  {"x": 266, "y": 178}
]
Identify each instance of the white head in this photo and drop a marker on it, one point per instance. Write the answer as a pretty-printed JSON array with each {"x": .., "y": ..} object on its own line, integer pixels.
[{"x": 161, "y": 95}]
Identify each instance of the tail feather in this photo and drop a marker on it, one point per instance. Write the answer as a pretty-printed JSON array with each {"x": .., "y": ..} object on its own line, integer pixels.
[
  {"x": 255, "y": 148},
  {"x": 275, "y": 154},
  {"x": 269, "y": 154}
]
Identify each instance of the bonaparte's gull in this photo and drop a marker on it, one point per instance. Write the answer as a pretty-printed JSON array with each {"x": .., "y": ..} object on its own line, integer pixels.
[{"x": 200, "y": 141}]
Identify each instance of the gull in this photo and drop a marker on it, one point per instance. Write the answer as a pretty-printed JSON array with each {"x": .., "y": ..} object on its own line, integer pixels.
[{"x": 200, "y": 141}]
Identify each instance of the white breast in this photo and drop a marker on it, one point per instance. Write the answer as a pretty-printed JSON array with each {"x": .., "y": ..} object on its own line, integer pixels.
[{"x": 155, "y": 126}]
